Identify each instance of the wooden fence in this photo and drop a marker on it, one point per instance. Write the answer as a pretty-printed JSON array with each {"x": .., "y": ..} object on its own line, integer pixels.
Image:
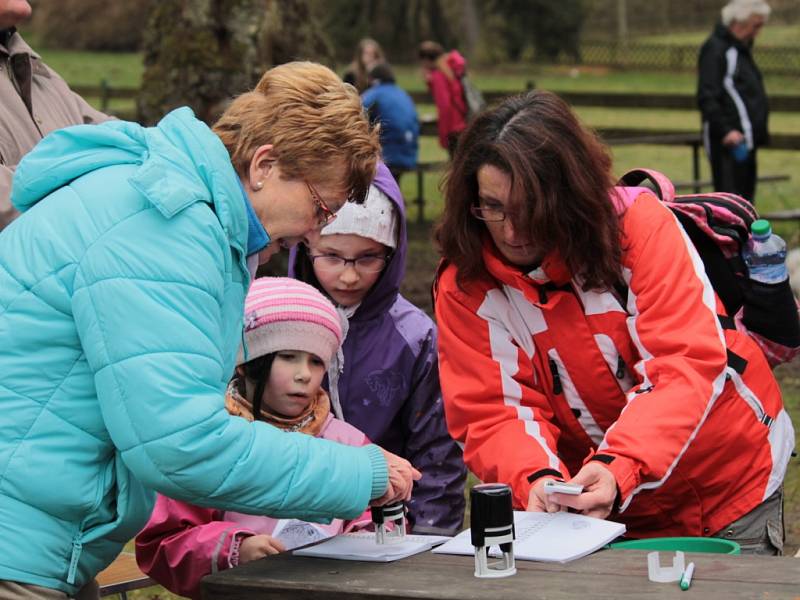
[
  {"x": 649, "y": 100},
  {"x": 613, "y": 136}
]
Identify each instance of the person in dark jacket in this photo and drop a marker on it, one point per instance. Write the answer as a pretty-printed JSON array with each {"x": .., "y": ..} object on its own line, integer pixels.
[
  {"x": 732, "y": 99},
  {"x": 394, "y": 109},
  {"x": 386, "y": 381}
]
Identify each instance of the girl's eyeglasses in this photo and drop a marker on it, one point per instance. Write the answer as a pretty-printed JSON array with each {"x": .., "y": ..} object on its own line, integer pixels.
[
  {"x": 362, "y": 264},
  {"x": 324, "y": 214}
]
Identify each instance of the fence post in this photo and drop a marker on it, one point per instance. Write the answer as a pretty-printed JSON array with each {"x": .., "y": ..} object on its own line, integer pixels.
[
  {"x": 696, "y": 166},
  {"x": 104, "y": 95},
  {"x": 420, "y": 195}
]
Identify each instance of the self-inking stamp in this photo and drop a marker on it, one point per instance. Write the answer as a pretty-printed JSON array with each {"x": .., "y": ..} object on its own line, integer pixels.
[
  {"x": 492, "y": 524},
  {"x": 382, "y": 516}
]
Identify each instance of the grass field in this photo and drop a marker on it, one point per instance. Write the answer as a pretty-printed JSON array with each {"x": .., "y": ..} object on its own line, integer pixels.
[{"x": 125, "y": 70}]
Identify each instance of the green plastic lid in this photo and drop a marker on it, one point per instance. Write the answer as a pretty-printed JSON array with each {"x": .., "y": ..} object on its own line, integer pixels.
[
  {"x": 761, "y": 227},
  {"x": 686, "y": 544}
]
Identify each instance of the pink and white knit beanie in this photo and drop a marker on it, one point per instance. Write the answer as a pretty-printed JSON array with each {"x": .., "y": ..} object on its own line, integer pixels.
[{"x": 285, "y": 314}]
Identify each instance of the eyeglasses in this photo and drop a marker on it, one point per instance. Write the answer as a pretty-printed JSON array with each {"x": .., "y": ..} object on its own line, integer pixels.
[
  {"x": 488, "y": 214},
  {"x": 362, "y": 264},
  {"x": 324, "y": 214}
]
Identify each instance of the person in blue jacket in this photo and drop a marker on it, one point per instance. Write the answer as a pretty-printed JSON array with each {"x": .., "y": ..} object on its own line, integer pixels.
[
  {"x": 122, "y": 288},
  {"x": 394, "y": 109}
]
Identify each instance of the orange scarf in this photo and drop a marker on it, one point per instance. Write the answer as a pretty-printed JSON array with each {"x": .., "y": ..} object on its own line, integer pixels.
[{"x": 310, "y": 421}]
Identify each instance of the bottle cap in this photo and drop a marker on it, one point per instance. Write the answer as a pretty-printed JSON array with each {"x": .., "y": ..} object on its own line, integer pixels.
[{"x": 761, "y": 228}]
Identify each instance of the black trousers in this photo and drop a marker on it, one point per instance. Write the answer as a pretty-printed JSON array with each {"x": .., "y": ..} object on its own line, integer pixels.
[{"x": 730, "y": 175}]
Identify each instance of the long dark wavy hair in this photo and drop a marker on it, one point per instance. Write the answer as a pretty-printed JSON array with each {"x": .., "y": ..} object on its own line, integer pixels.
[{"x": 561, "y": 183}]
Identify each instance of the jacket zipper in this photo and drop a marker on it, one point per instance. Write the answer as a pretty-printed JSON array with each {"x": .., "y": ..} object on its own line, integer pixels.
[{"x": 77, "y": 546}]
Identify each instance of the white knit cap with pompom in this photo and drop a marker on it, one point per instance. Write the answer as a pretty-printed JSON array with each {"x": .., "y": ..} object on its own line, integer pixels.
[{"x": 375, "y": 219}]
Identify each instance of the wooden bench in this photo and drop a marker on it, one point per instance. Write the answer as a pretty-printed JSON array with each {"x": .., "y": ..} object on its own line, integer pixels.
[{"x": 122, "y": 576}]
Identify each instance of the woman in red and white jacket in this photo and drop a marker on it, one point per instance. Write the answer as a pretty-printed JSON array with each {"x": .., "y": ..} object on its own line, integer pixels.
[{"x": 580, "y": 340}]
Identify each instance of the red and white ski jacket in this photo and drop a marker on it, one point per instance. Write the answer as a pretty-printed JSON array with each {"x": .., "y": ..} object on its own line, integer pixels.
[{"x": 539, "y": 376}]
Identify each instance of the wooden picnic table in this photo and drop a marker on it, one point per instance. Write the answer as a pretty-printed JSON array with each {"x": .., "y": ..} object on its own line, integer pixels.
[{"x": 611, "y": 574}]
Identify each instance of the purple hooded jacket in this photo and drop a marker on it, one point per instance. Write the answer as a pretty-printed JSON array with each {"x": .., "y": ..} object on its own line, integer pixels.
[{"x": 389, "y": 388}]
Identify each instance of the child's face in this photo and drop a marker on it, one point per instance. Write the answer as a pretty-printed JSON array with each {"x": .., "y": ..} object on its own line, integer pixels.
[
  {"x": 347, "y": 282},
  {"x": 293, "y": 382}
]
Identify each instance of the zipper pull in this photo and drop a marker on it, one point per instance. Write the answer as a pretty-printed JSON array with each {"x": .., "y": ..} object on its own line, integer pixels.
[
  {"x": 620, "y": 367},
  {"x": 73, "y": 561},
  {"x": 542, "y": 295},
  {"x": 557, "y": 387}
]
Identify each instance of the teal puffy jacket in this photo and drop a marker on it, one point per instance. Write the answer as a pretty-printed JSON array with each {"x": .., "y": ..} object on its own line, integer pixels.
[{"x": 121, "y": 297}]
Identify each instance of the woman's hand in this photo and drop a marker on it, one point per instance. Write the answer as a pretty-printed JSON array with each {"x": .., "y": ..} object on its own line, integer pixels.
[
  {"x": 258, "y": 546},
  {"x": 599, "y": 491},
  {"x": 402, "y": 476},
  {"x": 538, "y": 501}
]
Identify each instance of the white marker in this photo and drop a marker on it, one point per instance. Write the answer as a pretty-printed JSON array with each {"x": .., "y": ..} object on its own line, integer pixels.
[{"x": 686, "y": 580}]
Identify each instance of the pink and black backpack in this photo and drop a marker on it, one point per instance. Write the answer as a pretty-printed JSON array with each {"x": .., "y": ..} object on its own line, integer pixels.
[{"x": 719, "y": 226}]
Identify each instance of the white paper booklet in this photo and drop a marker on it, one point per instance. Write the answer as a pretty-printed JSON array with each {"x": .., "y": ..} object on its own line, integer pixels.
[
  {"x": 548, "y": 537},
  {"x": 294, "y": 533},
  {"x": 361, "y": 546}
]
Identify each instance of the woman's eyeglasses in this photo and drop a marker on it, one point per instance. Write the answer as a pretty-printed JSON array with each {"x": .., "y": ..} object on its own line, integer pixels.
[
  {"x": 489, "y": 214},
  {"x": 362, "y": 264},
  {"x": 324, "y": 214}
]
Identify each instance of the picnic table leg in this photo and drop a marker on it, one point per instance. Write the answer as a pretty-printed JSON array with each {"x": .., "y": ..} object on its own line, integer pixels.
[
  {"x": 420, "y": 196},
  {"x": 696, "y": 166}
]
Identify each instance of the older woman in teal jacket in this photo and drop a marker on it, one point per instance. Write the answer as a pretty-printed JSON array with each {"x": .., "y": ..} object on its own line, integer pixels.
[{"x": 121, "y": 298}]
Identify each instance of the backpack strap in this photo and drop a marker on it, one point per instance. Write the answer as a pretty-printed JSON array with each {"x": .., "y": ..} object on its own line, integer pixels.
[{"x": 660, "y": 183}]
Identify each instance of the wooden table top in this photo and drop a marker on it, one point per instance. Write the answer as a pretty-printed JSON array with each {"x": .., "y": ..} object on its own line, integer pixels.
[
  {"x": 122, "y": 575},
  {"x": 611, "y": 574}
]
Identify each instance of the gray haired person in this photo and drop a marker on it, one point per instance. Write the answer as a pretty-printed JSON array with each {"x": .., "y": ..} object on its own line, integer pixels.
[{"x": 732, "y": 98}]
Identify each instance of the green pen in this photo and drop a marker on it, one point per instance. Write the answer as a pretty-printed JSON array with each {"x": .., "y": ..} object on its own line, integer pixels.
[{"x": 686, "y": 578}]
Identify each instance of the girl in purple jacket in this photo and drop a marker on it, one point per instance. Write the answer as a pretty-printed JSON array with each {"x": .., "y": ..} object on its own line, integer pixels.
[
  {"x": 291, "y": 332},
  {"x": 385, "y": 378}
]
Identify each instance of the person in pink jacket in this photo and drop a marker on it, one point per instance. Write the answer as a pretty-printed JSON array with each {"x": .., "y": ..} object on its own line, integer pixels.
[
  {"x": 443, "y": 72},
  {"x": 291, "y": 334}
]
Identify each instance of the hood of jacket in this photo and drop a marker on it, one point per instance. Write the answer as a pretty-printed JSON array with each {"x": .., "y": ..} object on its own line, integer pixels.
[
  {"x": 457, "y": 63},
  {"x": 384, "y": 293},
  {"x": 181, "y": 162}
]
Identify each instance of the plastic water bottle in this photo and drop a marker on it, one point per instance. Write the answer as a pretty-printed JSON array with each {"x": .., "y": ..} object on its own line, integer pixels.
[{"x": 765, "y": 255}]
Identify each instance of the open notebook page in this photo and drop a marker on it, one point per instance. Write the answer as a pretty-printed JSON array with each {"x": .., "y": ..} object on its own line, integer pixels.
[{"x": 548, "y": 537}]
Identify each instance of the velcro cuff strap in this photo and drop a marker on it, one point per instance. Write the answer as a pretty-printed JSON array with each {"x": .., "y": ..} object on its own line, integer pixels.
[
  {"x": 542, "y": 472},
  {"x": 606, "y": 459}
]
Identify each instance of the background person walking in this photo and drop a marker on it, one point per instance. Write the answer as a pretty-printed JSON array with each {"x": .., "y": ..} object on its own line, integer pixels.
[{"x": 732, "y": 98}]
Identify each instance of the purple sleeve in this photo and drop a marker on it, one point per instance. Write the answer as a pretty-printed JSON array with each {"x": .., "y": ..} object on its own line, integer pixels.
[{"x": 437, "y": 503}]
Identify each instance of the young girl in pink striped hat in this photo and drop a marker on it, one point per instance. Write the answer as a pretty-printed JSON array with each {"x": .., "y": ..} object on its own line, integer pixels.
[{"x": 291, "y": 334}]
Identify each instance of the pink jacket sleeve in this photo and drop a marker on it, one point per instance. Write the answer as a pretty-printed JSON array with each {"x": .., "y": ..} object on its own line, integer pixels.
[{"x": 182, "y": 543}]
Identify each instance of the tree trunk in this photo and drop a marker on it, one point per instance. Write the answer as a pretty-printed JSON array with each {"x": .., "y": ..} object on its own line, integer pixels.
[
  {"x": 201, "y": 53},
  {"x": 198, "y": 53}
]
